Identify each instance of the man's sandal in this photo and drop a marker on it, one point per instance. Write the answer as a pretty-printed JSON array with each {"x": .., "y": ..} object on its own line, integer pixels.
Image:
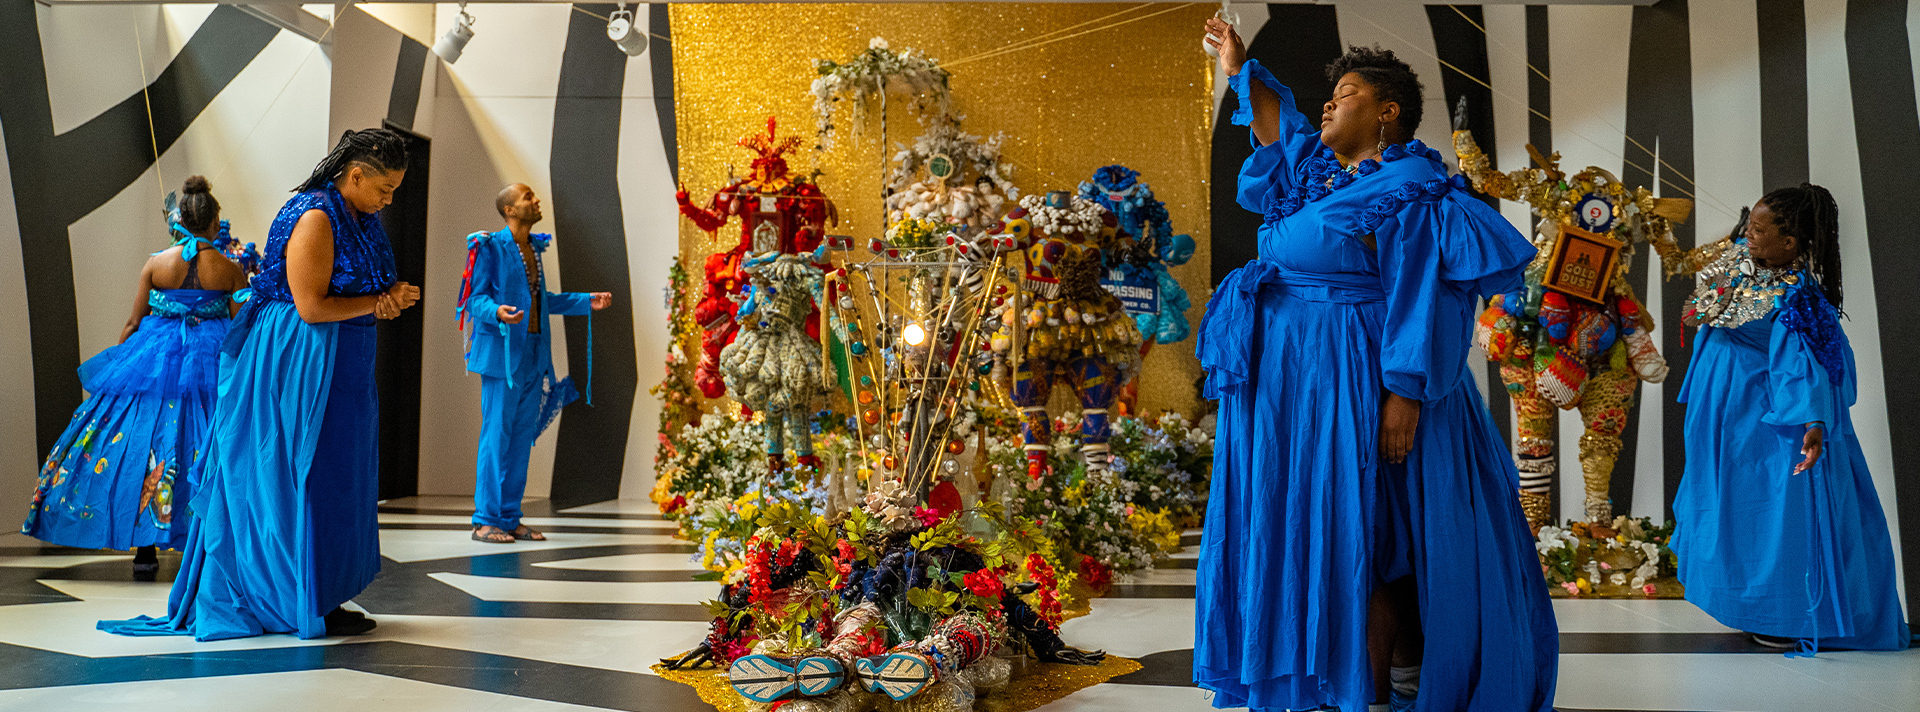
[
  {"x": 524, "y": 532},
  {"x": 493, "y": 535}
]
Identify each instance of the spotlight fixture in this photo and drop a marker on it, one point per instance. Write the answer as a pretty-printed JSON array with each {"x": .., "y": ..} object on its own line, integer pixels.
[
  {"x": 620, "y": 28},
  {"x": 914, "y": 335},
  {"x": 455, "y": 40}
]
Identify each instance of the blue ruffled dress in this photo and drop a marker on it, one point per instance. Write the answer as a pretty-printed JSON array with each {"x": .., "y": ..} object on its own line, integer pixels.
[
  {"x": 1761, "y": 549},
  {"x": 286, "y": 524},
  {"x": 1303, "y": 520},
  {"x": 116, "y": 479}
]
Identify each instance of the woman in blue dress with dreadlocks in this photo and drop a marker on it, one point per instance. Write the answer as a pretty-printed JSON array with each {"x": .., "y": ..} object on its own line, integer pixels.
[
  {"x": 285, "y": 528},
  {"x": 116, "y": 479},
  {"x": 1357, "y": 472},
  {"x": 1777, "y": 526}
]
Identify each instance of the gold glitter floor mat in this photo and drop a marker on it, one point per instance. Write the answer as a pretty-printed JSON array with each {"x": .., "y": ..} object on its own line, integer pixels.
[{"x": 1043, "y": 684}]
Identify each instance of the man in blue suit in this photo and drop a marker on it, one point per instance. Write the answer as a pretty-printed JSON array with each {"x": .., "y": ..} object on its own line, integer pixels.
[{"x": 519, "y": 395}]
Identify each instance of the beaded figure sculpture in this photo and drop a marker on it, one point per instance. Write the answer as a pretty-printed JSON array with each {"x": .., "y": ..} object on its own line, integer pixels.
[
  {"x": 779, "y": 212},
  {"x": 1069, "y": 327},
  {"x": 1576, "y": 336},
  {"x": 1138, "y": 267}
]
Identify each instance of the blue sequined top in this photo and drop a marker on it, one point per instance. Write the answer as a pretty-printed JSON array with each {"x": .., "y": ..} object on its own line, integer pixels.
[
  {"x": 362, "y": 256},
  {"x": 194, "y": 305}
]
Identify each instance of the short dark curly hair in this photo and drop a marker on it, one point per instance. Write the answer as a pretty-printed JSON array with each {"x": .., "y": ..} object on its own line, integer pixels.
[{"x": 1391, "y": 79}]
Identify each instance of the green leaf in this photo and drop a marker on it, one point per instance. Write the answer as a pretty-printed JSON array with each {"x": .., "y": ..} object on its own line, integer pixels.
[{"x": 708, "y": 576}]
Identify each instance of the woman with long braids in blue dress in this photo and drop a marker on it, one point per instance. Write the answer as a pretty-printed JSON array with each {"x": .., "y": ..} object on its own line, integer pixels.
[
  {"x": 1362, "y": 517},
  {"x": 1778, "y": 528},
  {"x": 117, "y": 478},
  {"x": 285, "y": 528}
]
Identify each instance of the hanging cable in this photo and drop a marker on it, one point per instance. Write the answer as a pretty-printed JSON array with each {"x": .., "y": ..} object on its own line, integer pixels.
[{"x": 140, "y": 51}]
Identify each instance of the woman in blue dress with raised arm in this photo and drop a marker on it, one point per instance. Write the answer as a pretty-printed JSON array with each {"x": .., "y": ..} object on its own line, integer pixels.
[
  {"x": 1356, "y": 468},
  {"x": 1777, "y": 526},
  {"x": 117, "y": 478},
  {"x": 286, "y": 527}
]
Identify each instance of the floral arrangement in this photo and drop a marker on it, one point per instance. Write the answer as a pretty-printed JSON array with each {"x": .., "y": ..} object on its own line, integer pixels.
[
  {"x": 848, "y": 615},
  {"x": 1170, "y": 461},
  {"x": 679, "y": 405},
  {"x": 917, "y": 233},
  {"x": 864, "y": 78},
  {"x": 1628, "y": 564},
  {"x": 1100, "y": 512}
]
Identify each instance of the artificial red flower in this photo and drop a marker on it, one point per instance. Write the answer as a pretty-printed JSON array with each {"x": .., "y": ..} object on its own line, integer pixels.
[
  {"x": 789, "y": 550},
  {"x": 984, "y": 583},
  {"x": 945, "y": 499},
  {"x": 843, "y": 558},
  {"x": 928, "y": 516},
  {"x": 1095, "y": 573},
  {"x": 676, "y": 504}
]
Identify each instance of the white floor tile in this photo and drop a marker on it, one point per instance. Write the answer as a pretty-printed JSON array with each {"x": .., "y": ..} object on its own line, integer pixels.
[
  {"x": 492, "y": 588},
  {"x": 68, "y": 627},
  {"x": 617, "y": 506},
  {"x": 1110, "y": 697},
  {"x": 1133, "y": 627},
  {"x": 60, "y": 561},
  {"x": 305, "y": 691},
  {"x": 627, "y": 562},
  {"x": 1600, "y": 615},
  {"x": 536, "y": 522},
  {"x": 424, "y": 544},
  {"x": 1722, "y": 683}
]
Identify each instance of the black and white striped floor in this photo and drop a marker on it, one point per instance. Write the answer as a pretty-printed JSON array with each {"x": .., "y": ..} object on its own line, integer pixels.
[{"x": 577, "y": 621}]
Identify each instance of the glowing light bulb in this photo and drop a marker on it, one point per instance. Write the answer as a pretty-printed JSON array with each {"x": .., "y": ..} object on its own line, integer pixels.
[{"x": 913, "y": 334}]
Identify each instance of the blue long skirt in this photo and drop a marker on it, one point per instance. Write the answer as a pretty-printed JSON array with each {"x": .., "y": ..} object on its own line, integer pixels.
[
  {"x": 1491, "y": 641},
  {"x": 286, "y": 525},
  {"x": 1287, "y": 557},
  {"x": 117, "y": 478},
  {"x": 1763, "y": 549}
]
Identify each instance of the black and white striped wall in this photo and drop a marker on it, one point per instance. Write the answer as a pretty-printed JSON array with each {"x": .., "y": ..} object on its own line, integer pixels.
[
  {"x": 1736, "y": 97},
  {"x": 540, "y": 96}
]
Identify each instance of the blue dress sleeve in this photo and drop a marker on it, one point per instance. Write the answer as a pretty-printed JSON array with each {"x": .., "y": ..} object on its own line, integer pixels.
[
  {"x": 1440, "y": 251},
  {"x": 569, "y": 303},
  {"x": 1799, "y": 389},
  {"x": 1271, "y": 166}
]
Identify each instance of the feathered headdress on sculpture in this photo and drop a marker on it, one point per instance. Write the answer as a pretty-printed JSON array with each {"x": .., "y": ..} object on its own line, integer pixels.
[{"x": 769, "y": 164}]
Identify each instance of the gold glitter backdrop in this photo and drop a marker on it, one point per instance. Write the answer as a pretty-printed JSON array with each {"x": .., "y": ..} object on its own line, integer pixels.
[{"x": 1139, "y": 94}]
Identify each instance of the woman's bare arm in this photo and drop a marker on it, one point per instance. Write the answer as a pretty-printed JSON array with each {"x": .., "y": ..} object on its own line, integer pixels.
[
  {"x": 140, "y": 308},
  {"x": 1265, "y": 101},
  {"x": 310, "y": 269}
]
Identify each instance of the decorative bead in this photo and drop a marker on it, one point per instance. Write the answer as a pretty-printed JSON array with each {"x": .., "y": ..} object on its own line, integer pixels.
[
  {"x": 866, "y": 380},
  {"x": 857, "y": 348},
  {"x": 956, "y": 447},
  {"x": 866, "y": 397},
  {"x": 889, "y": 462},
  {"x": 871, "y": 417}
]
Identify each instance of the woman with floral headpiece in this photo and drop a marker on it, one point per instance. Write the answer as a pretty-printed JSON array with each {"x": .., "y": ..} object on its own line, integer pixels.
[
  {"x": 1777, "y": 526},
  {"x": 115, "y": 478}
]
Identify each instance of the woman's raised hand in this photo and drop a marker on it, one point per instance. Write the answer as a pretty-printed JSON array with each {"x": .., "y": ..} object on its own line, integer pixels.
[{"x": 1233, "y": 52}]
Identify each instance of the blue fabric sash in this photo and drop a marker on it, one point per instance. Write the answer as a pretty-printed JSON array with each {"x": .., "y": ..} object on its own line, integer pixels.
[{"x": 1225, "y": 342}]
